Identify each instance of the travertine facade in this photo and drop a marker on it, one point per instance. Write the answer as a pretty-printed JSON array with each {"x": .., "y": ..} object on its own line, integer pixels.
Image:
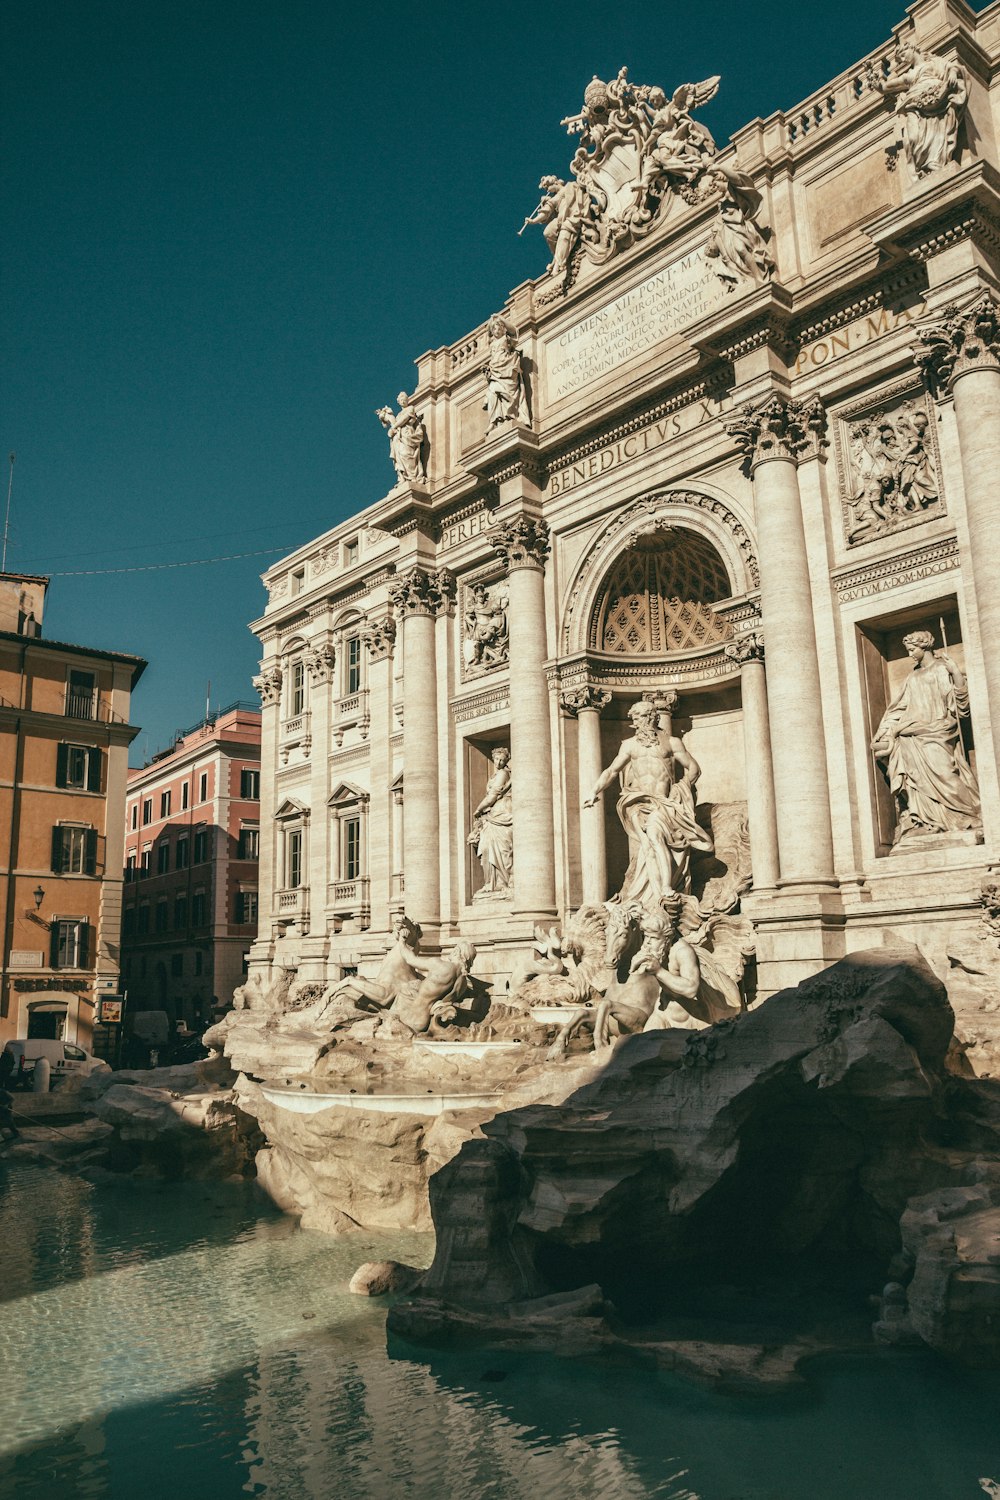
[{"x": 739, "y": 440}]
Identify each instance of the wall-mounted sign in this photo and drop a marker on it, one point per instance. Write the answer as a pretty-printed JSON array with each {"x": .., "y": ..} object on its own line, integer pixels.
[{"x": 110, "y": 1013}]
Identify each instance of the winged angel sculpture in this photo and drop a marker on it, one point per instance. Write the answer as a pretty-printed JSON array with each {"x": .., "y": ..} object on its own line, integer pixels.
[{"x": 637, "y": 150}]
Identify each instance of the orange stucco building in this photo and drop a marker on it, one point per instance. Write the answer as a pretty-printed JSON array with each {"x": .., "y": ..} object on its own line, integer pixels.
[
  {"x": 191, "y": 849},
  {"x": 64, "y": 738}
]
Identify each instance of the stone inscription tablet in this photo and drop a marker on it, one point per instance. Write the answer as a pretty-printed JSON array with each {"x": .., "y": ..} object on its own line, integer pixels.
[{"x": 673, "y": 298}]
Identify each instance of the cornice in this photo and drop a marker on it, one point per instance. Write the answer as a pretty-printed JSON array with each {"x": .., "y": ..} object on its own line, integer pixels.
[{"x": 884, "y": 573}]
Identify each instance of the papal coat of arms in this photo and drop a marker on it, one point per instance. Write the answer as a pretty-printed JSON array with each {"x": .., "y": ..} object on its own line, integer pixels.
[{"x": 638, "y": 151}]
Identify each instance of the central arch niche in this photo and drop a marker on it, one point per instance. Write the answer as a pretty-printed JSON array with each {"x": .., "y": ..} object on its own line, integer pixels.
[{"x": 657, "y": 597}]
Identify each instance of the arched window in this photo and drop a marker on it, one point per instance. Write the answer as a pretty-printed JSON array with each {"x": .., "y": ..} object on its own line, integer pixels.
[{"x": 658, "y": 597}]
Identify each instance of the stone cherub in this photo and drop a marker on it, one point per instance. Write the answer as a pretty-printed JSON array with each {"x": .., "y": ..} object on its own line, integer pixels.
[
  {"x": 920, "y": 740},
  {"x": 407, "y": 439}
]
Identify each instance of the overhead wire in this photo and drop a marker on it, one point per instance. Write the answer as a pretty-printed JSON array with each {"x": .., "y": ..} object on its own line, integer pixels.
[{"x": 193, "y": 562}]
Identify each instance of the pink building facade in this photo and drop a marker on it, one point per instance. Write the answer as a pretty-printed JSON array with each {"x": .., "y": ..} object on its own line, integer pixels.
[{"x": 192, "y": 834}]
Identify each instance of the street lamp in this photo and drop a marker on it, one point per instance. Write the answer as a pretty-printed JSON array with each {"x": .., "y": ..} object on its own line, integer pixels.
[{"x": 39, "y": 896}]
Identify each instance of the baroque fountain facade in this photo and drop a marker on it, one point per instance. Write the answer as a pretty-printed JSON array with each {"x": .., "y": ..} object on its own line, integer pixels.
[{"x": 660, "y": 681}]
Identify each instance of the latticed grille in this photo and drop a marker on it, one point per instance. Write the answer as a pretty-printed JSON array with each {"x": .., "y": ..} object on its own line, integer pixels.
[{"x": 658, "y": 598}]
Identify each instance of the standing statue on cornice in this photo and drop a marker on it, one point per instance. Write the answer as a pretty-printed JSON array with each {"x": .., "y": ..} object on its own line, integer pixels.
[
  {"x": 407, "y": 439},
  {"x": 920, "y": 740},
  {"x": 656, "y": 808},
  {"x": 929, "y": 95},
  {"x": 506, "y": 398},
  {"x": 738, "y": 243},
  {"x": 562, "y": 213}
]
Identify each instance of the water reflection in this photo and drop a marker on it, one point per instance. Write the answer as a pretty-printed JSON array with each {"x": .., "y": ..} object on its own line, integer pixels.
[{"x": 212, "y": 1349}]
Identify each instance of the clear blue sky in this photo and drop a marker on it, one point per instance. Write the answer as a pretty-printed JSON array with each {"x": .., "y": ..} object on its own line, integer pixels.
[{"x": 229, "y": 230}]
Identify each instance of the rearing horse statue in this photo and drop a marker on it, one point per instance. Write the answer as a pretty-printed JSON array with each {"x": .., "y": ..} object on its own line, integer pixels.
[{"x": 664, "y": 964}]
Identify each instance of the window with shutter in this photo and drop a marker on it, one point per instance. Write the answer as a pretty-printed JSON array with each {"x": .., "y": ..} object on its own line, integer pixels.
[
  {"x": 95, "y": 759},
  {"x": 62, "y": 756},
  {"x": 70, "y": 946},
  {"x": 58, "y": 851},
  {"x": 90, "y": 852}
]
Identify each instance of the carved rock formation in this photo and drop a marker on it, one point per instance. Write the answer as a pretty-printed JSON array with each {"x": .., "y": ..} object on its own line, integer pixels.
[{"x": 817, "y": 1145}]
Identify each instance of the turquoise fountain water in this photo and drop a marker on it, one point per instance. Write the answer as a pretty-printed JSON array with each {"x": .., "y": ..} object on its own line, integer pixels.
[{"x": 184, "y": 1340}]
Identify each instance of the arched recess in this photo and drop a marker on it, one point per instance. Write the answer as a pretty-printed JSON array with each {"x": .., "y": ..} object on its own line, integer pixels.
[
  {"x": 658, "y": 595},
  {"x": 687, "y": 516}
]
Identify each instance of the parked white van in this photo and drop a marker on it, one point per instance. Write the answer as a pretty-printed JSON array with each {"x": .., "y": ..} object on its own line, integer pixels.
[{"x": 65, "y": 1059}]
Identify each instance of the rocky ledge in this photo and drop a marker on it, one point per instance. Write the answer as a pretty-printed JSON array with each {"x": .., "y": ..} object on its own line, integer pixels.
[{"x": 731, "y": 1201}]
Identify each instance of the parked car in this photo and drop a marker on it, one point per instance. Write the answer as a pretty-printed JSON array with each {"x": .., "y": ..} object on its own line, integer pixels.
[{"x": 66, "y": 1060}]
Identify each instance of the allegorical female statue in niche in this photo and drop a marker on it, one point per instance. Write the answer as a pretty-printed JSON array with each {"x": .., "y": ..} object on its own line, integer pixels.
[
  {"x": 920, "y": 741},
  {"x": 492, "y": 833}
]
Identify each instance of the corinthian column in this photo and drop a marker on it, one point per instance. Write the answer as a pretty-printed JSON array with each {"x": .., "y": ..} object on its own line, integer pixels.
[
  {"x": 585, "y": 704},
  {"x": 378, "y": 636},
  {"x": 961, "y": 353},
  {"x": 523, "y": 545},
  {"x": 418, "y": 597},
  {"x": 749, "y": 652},
  {"x": 320, "y": 658},
  {"x": 772, "y": 434}
]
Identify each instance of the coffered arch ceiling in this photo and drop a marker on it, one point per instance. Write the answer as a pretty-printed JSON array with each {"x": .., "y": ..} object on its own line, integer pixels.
[{"x": 657, "y": 596}]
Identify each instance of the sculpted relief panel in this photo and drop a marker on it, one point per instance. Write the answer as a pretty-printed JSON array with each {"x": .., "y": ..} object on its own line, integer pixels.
[
  {"x": 485, "y": 626},
  {"x": 890, "y": 468}
]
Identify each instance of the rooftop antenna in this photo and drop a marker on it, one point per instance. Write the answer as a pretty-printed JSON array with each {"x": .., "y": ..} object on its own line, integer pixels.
[
  {"x": 208, "y": 700},
  {"x": 6, "y": 522}
]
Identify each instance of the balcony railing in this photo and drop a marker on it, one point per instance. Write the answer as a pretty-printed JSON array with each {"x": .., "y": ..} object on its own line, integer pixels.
[
  {"x": 296, "y": 727},
  {"x": 90, "y": 706},
  {"x": 292, "y": 901},
  {"x": 351, "y": 893}
]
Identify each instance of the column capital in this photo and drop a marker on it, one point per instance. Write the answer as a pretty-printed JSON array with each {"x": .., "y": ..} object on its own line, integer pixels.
[
  {"x": 576, "y": 700},
  {"x": 320, "y": 662},
  {"x": 961, "y": 341},
  {"x": 378, "y": 636},
  {"x": 779, "y": 427},
  {"x": 521, "y": 542},
  {"x": 746, "y": 648},
  {"x": 664, "y": 700},
  {"x": 419, "y": 592},
  {"x": 268, "y": 685}
]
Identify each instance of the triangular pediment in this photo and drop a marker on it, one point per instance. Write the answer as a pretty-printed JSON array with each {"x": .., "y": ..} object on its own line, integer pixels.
[
  {"x": 290, "y": 808},
  {"x": 346, "y": 792}
]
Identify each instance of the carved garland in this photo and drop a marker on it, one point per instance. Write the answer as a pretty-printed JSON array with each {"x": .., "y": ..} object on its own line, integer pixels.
[{"x": 629, "y": 524}]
